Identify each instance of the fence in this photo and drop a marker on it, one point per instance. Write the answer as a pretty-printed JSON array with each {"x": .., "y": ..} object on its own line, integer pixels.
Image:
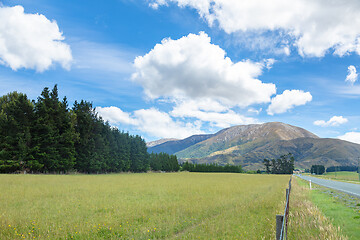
[{"x": 282, "y": 220}]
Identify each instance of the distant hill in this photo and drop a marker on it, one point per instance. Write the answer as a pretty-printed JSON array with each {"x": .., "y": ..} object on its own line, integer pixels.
[
  {"x": 160, "y": 141},
  {"x": 248, "y": 145},
  {"x": 174, "y": 146}
]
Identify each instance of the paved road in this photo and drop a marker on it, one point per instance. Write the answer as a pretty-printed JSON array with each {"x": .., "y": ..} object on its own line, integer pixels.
[{"x": 350, "y": 188}]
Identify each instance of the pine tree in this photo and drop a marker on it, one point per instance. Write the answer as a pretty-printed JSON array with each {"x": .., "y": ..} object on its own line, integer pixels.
[{"x": 16, "y": 118}]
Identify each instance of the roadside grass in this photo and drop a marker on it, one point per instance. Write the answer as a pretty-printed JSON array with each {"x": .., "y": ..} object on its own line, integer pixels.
[
  {"x": 141, "y": 206},
  {"x": 343, "y": 210},
  {"x": 345, "y": 176},
  {"x": 306, "y": 221},
  {"x": 340, "y": 208},
  {"x": 348, "y": 176}
]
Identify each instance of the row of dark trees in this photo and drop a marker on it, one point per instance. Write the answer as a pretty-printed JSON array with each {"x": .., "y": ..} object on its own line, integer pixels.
[
  {"x": 342, "y": 168},
  {"x": 317, "y": 169},
  {"x": 283, "y": 165},
  {"x": 164, "y": 162},
  {"x": 213, "y": 167},
  {"x": 45, "y": 136},
  {"x": 320, "y": 169}
]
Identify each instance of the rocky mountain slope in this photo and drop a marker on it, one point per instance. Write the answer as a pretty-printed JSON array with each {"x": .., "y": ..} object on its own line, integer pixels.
[{"x": 248, "y": 145}]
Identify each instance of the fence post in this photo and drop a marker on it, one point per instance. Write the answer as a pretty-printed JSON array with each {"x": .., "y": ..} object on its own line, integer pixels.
[
  {"x": 279, "y": 223},
  {"x": 282, "y": 220},
  {"x": 287, "y": 209},
  {"x": 310, "y": 184}
]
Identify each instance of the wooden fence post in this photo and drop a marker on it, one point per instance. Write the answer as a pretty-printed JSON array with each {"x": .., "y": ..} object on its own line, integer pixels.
[{"x": 279, "y": 223}]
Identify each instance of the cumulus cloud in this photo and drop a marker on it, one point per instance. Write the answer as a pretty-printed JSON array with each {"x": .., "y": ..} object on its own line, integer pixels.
[
  {"x": 352, "y": 75},
  {"x": 31, "y": 41},
  {"x": 160, "y": 124},
  {"x": 115, "y": 115},
  {"x": 288, "y": 100},
  {"x": 315, "y": 26},
  {"x": 193, "y": 68},
  {"x": 215, "y": 114},
  {"x": 151, "y": 121},
  {"x": 351, "y": 137},
  {"x": 334, "y": 121}
]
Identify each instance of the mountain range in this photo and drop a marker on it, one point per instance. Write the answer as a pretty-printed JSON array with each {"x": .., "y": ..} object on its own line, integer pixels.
[{"x": 248, "y": 145}]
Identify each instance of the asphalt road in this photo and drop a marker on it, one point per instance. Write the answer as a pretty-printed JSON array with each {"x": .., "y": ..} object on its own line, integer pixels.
[{"x": 350, "y": 188}]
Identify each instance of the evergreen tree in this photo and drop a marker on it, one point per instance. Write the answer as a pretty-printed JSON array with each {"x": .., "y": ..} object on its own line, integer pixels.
[
  {"x": 283, "y": 165},
  {"x": 16, "y": 118},
  {"x": 53, "y": 133},
  {"x": 46, "y": 136},
  {"x": 318, "y": 169}
]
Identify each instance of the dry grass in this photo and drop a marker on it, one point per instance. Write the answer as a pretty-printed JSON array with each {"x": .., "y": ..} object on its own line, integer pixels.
[
  {"x": 306, "y": 221},
  {"x": 140, "y": 206}
]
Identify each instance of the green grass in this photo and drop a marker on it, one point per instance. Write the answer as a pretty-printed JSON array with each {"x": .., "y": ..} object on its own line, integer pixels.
[
  {"x": 306, "y": 221},
  {"x": 140, "y": 206},
  {"x": 343, "y": 210},
  {"x": 347, "y": 176},
  {"x": 344, "y": 176}
]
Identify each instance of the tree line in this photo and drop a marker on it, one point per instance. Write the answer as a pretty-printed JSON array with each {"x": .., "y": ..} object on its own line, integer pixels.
[
  {"x": 213, "y": 167},
  {"x": 46, "y": 136},
  {"x": 320, "y": 169},
  {"x": 317, "y": 169},
  {"x": 164, "y": 162},
  {"x": 282, "y": 165},
  {"x": 342, "y": 168}
]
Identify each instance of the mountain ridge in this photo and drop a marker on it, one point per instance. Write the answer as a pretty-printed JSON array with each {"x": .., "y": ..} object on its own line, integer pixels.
[{"x": 249, "y": 144}]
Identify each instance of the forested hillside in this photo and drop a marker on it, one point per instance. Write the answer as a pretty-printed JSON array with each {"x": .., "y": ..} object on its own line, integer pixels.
[{"x": 46, "y": 136}]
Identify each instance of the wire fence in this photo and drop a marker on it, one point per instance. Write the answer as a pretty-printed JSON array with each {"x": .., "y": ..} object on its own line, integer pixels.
[{"x": 282, "y": 220}]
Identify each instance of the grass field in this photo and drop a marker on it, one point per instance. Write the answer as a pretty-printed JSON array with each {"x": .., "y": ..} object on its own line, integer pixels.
[
  {"x": 347, "y": 176},
  {"x": 339, "y": 176},
  {"x": 140, "y": 206}
]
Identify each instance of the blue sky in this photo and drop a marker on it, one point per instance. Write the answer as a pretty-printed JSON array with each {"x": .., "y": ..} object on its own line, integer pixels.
[{"x": 173, "y": 68}]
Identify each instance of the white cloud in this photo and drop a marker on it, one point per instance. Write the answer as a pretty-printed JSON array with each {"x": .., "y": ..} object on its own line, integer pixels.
[
  {"x": 288, "y": 100},
  {"x": 115, "y": 115},
  {"x": 193, "y": 68},
  {"x": 352, "y": 75},
  {"x": 314, "y": 26},
  {"x": 334, "y": 121},
  {"x": 256, "y": 111},
  {"x": 265, "y": 43},
  {"x": 160, "y": 124},
  {"x": 351, "y": 137},
  {"x": 151, "y": 121},
  {"x": 31, "y": 41},
  {"x": 217, "y": 115},
  {"x": 286, "y": 51}
]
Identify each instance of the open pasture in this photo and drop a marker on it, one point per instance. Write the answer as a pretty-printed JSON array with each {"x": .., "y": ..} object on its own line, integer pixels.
[
  {"x": 344, "y": 175},
  {"x": 141, "y": 206}
]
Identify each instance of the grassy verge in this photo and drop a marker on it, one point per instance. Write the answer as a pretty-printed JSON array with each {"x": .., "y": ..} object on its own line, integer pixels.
[
  {"x": 306, "y": 221},
  {"x": 342, "y": 209},
  {"x": 347, "y": 176},
  {"x": 343, "y": 176},
  {"x": 140, "y": 206}
]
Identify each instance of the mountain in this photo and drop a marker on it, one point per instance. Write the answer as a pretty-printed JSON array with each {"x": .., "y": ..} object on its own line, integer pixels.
[
  {"x": 160, "y": 141},
  {"x": 174, "y": 146},
  {"x": 248, "y": 145}
]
